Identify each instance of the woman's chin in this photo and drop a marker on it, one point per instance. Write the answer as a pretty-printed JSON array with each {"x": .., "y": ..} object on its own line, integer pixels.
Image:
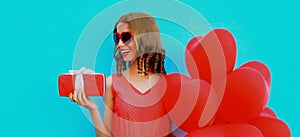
[{"x": 128, "y": 58}]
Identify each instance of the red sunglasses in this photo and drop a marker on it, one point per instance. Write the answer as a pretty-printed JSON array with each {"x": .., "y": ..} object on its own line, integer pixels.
[{"x": 124, "y": 37}]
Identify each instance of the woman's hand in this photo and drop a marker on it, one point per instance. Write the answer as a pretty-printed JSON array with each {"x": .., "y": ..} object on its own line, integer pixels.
[{"x": 82, "y": 100}]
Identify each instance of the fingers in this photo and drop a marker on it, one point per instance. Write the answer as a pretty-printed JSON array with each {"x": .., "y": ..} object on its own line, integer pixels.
[
  {"x": 82, "y": 99},
  {"x": 71, "y": 97},
  {"x": 75, "y": 96},
  {"x": 85, "y": 99},
  {"x": 79, "y": 97}
]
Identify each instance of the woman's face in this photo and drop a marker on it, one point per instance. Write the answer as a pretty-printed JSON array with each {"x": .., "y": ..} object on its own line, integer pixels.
[{"x": 128, "y": 49}]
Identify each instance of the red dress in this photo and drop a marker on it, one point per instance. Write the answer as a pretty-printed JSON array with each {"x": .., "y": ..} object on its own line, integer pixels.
[{"x": 138, "y": 114}]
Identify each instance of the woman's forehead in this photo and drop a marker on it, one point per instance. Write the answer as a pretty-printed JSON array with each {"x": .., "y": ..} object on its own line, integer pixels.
[{"x": 122, "y": 27}]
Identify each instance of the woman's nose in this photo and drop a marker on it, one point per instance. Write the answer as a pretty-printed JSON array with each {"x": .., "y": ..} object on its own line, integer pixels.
[{"x": 120, "y": 44}]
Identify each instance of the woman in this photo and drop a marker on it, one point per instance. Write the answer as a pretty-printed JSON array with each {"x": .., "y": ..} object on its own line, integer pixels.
[{"x": 133, "y": 104}]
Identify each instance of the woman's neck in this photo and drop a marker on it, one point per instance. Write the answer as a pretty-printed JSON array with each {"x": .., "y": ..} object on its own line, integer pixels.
[
  {"x": 140, "y": 81},
  {"x": 132, "y": 70}
]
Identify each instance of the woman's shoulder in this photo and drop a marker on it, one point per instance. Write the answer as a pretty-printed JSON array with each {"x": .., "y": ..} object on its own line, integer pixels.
[{"x": 110, "y": 79}]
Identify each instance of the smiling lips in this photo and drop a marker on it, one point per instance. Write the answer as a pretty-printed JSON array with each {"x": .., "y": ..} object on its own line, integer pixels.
[{"x": 125, "y": 52}]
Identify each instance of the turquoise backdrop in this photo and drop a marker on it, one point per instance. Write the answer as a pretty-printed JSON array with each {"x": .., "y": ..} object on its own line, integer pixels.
[{"x": 39, "y": 41}]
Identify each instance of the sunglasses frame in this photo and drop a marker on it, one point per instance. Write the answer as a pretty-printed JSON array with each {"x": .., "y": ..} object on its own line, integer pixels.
[{"x": 121, "y": 38}]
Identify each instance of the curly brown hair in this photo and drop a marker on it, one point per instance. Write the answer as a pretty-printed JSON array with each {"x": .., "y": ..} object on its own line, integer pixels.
[{"x": 150, "y": 53}]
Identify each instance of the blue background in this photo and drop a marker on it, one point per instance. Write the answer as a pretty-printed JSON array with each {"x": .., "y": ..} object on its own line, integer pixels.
[{"x": 38, "y": 40}]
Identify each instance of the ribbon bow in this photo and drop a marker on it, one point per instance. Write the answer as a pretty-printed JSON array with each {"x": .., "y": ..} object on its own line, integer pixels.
[{"x": 79, "y": 83}]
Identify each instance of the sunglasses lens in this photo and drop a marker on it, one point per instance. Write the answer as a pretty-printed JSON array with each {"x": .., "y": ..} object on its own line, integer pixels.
[
  {"x": 126, "y": 36},
  {"x": 116, "y": 38}
]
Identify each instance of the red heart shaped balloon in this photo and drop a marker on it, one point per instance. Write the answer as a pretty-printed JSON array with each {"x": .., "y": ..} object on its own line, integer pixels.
[
  {"x": 262, "y": 68},
  {"x": 227, "y": 130},
  {"x": 268, "y": 112},
  {"x": 185, "y": 100},
  {"x": 174, "y": 86},
  {"x": 271, "y": 127},
  {"x": 202, "y": 54},
  {"x": 245, "y": 96}
]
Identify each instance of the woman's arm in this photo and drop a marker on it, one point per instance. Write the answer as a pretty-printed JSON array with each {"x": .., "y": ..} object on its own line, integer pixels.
[
  {"x": 108, "y": 112},
  {"x": 108, "y": 104},
  {"x": 100, "y": 129}
]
